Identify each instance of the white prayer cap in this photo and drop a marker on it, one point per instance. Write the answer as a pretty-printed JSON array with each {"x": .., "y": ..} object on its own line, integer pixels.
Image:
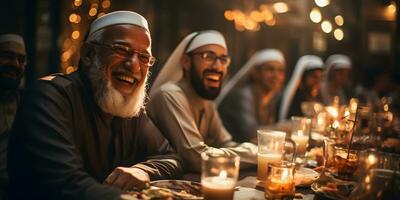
[
  {"x": 305, "y": 63},
  {"x": 118, "y": 17},
  {"x": 172, "y": 69},
  {"x": 260, "y": 57},
  {"x": 338, "y": 61},
  {"x": 12, "y": 38}
]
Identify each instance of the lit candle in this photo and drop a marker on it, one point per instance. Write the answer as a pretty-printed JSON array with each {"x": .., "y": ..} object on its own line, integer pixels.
[
  {"x": 280, "y": 186},
  {"x": 218, "y": 187},
  {"x": 301, "y": 141},
  {"x": 263, "y": 160}
]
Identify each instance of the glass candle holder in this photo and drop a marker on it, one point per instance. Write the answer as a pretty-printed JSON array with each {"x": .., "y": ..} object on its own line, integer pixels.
[
  {"x": 270, "y": 149},
  {"x": 280, "y": 181},
  {"x": 219, "y": 175},
  {"x": 346, "y": 163},
  {"x": 301, "y": 128}
]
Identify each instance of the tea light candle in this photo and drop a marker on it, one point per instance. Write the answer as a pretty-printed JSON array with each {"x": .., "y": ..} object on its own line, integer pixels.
[
  {"x": 280, "y": 185},
  {"x": 301, "y": 141},
  {"x": 218, "y": 187},
  {"x": 263, "y": 160}
]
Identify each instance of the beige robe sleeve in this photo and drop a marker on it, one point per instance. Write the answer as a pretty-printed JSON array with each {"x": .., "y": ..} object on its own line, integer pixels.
[{"x": 171, "y": 113}]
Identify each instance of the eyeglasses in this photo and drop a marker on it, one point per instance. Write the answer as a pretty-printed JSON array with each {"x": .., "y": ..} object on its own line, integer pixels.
[
  {"x": 210, "y": 58},
  {"x": 11, "y": 56},
  {"x": 127, "y": 52}
]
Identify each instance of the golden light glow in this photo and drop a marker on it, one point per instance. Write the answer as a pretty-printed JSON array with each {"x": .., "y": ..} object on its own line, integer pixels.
[
  {"x": 322, "y": 3},
  {"x": 93, "y": 12},
  {"x": 250, "y": 24},
  {"x": 271, "y": 22},
  {"x": 338, "y": 33},
  {"x": 315, "y": 15},
  {"x": 392, "y": 8},
  {"x": 106, "y": 4},
  {"x": 339, "y": 20},
  {"x": 65, "y": 56},
  {"x": 77, "y": 3},
  {"x": 75, "y": 35},
  {"x": 281, "y": 7},
  {"x": 73, "y": 17},
  {"x": 228, "y": 14},
  {"x": 326, "y": 26},
  {"x": 100, "y": 14},
  {"x": 239, "y": 27},
  {"x": 69, "y": 69},
  {"x": 267, "y": 15},
  {"x": 256, "y": 16}
]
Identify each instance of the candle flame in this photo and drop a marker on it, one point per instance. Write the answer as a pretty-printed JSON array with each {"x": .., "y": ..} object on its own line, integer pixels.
[
  {"x": 223, "y": 174},
  {"x": 300, "y": 133},
  {"x": 332, "y": 111},
  {"x": 371, "y": 159},
  {"x": 335, "y": 124},
  {"x": 285, "y": 174}
]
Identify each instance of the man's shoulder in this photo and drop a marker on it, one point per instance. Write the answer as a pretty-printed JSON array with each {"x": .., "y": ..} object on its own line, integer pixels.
[
  {"x": 57, "y": 80},
  {"x": 169, "y": 89}
]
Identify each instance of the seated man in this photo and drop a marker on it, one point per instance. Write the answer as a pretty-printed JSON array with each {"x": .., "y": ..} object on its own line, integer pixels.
[
  {"x": 12, "y": 68},
  {"x": 183, "y": 108},
  {"x": 336, "y": 80},
  {"x": 304, "y": 85},
  {"x": 248, "y": 100},
  {"x": 84, "y": 135}
]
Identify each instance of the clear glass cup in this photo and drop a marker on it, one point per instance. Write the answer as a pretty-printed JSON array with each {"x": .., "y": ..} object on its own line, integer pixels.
[
  {"x": 270, "y": 149},
  {"x": 219, "y": 175},
  {"x": 346, "y": 162},
  {"x": 280, "y": 181},
  {"x": 301, "y": 128}
]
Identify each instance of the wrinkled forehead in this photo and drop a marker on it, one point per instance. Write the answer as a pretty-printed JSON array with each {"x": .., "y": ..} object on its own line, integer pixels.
[{"x": 13, "y": 47}]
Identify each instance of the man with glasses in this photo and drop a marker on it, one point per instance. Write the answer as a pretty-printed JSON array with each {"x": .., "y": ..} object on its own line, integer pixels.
[
  {"x": 181, "y": 100},
  {"x": 12, "y": 68},
  {"x": 85, "y": 135}
]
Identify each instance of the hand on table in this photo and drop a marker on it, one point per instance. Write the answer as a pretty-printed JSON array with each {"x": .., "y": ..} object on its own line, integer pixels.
[{"x": 127, "y": 178}]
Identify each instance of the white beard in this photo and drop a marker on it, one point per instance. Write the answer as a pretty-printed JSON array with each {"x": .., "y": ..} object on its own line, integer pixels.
[{"x": 110, "y": 100}]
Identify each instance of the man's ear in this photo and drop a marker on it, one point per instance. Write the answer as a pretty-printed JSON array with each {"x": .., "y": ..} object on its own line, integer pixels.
[
  {"x": 185, "y": 62},
  {"x": 86, "y": 54}
]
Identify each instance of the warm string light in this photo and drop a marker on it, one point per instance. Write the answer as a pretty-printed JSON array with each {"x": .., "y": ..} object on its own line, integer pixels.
[
  {"x": 326, "y": 26},
  {"x": 73, "y": 39},
  {"x": 253, "y": 20}
]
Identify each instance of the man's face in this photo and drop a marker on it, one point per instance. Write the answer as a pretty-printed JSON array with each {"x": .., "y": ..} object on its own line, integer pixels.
[
  {"x": 206, "y": 74},
  {"x": 340, "y": 77},
  {"x": 12, "y": 64},
  {"x": 312, "y": 82},
  {"x": 270, "y": 75},
  {"x": 119, "y": 78}
]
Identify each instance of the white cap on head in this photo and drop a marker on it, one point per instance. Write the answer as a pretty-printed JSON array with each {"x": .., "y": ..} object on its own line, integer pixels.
[
  {"x": 260, "y": 57},
  {"x": 12, "y": 38},
  {"x": 172, "y": 69},
  {"x": 118, "y": 17},
  {"x": 305, "y": 63},
  {"x": 337, "y": 61}
]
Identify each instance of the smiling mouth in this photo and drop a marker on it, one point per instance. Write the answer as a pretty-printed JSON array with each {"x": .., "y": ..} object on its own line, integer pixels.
[
  {"x": 213, "y": 76},
  {"x": 123, "y": 77}
]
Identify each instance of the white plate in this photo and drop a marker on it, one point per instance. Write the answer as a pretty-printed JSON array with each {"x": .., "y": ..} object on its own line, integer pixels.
[{"x": 304, "y": 177}]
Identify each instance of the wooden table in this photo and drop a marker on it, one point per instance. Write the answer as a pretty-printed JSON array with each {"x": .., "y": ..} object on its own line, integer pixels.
[{"x": 248, "y": 189}]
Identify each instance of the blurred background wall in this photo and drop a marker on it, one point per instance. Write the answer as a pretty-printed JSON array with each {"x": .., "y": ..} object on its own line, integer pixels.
[{"x": 366, "y": 30}]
